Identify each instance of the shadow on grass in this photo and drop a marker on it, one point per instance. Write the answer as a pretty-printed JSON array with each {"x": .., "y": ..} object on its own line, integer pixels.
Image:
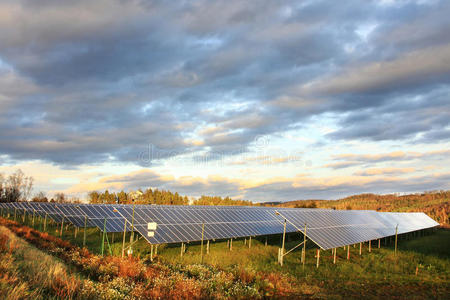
[{"x": 437, "y": 244}]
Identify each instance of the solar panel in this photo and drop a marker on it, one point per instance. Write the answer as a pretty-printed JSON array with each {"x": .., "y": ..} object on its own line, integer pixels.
[
  {"x": 74, "y": 215},
  {"x": 177, "y": 223},
  {"x": 52, "y": 211},
  {"x": 36, "y": 208},
  {"x": 98, "y": 213},
  {"x": 339, "y": 228},
  {"x": 184, "y": 223}
]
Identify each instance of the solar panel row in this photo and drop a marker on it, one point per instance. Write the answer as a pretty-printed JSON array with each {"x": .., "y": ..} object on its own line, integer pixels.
[{"x": 327, "y": 228}]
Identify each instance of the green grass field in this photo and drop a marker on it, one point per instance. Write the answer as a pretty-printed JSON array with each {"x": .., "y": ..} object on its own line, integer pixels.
[{"x": 421, "y": 268}]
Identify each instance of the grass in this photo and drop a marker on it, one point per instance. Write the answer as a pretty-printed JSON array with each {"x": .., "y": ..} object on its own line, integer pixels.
[
  {"x": 421, "y": 268},
  {"x": 28, "y": 273}
]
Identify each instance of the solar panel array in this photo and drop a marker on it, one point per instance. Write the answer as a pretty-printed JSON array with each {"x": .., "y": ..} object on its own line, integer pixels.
[{"x": 177, "y": 223}]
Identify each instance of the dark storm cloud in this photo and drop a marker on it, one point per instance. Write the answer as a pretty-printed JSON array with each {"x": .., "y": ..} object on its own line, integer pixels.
[{"x": 96, "y": 81}]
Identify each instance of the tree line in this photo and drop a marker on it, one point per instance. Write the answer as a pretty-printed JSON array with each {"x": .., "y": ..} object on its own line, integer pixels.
[
  {"x": 436, "y": 204},
  {"x": 159, "y": 197}
]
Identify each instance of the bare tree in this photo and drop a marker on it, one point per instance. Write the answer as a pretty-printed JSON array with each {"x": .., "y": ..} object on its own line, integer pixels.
[
  {"x": 40, "y": 197},
  {"x": 16, "y": 188},
  {"x": 60, "y": 198}
]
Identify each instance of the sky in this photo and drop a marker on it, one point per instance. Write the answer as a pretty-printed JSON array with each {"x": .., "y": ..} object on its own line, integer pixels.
[{"x": 256, "y": 100}]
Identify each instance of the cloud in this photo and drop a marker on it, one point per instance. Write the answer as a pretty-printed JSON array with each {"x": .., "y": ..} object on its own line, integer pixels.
[
  {"x": 302, "y": 186},
  {"x": 390, "y": 156},
  {"x": 431, "y": 64},
  {"x": 143, "y": 179},
  {"x": 86, "y": 83},
  {"x": 384, "y": 171}
]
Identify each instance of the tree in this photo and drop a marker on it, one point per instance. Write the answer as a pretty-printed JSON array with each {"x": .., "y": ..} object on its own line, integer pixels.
[
  {"x": 16, "y": 188},
  {"x": 60, "y": 198},
  {"x": 94, "y": 197},
  {"x": 40, "y": 197}
]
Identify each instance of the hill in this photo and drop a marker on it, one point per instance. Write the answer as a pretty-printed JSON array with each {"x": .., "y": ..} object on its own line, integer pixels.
[{"x": 436, "y": 204}]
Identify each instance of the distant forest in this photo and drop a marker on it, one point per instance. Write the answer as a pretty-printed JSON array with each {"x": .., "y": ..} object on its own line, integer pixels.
[{"x": 162, "y": 197}]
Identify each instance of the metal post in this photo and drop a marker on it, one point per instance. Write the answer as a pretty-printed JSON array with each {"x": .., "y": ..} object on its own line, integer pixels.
[
  {"x": 103, "y": 237},
  {"x": 318, "y": 258},
  {"x": 231, "y": 244},
  {"x": 84, "y": 232},
  {"x": 265, "y": 244},
  {"x": 282, "y": 245},
  {"x": 62, "y": 227},
  {"x": 304, "y": 248},
  {"x": 132, "y": 228},
  {"x": 379, "y": 243},
  {"x": 76, "y": 231},
  {"x": 156, "y": 249},
  {"x": 201, "y": 249},
  {"x": 348, "y": 252},
  {"x": 124, "y": 235},
  {"x": 181, "y": 250},
  {"x": 396, "y": 232},
  {"x": 15, "y": 213},
  {"x": 207, "y": 247},
  {"x": 334, "y": 256},
  {"x": 45, "y": 221},
  {"x": 250, "y": 242},
  {"x": 151, "y": 253},
  {"x": 360, "y": 248}
]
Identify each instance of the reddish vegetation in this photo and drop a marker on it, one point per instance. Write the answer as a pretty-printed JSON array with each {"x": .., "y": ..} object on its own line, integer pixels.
[{"x": 149, "y": 281}]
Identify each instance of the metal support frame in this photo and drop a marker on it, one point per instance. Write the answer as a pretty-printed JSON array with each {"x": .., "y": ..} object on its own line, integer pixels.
[
  {"x": 334, "y": 255},
  {"x": 318, "y": 257},
  {"x": 281, "y": 252},
  {"x": 396, "y": 236},
  {"x": 32, "y": 222},
  {"x": 201, "y": 248},
  {"x": 62, "y": 227},
  {"x": 181, "y": 249},
  {"x": 151, "y": 252},
  {"x": 84, "y": 232},
  {"x": 282, "y": 245},
  {"x": 103, "y": 236},
  {"x": 132, "y": 228},
  {"x": 124, "y": 236}
]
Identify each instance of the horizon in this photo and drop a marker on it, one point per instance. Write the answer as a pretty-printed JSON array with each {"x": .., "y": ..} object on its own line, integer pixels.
[{"x": 313, "y": 100}]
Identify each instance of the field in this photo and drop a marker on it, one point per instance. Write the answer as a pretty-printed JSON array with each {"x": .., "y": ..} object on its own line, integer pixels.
[{"x": 40, "y": 265}]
